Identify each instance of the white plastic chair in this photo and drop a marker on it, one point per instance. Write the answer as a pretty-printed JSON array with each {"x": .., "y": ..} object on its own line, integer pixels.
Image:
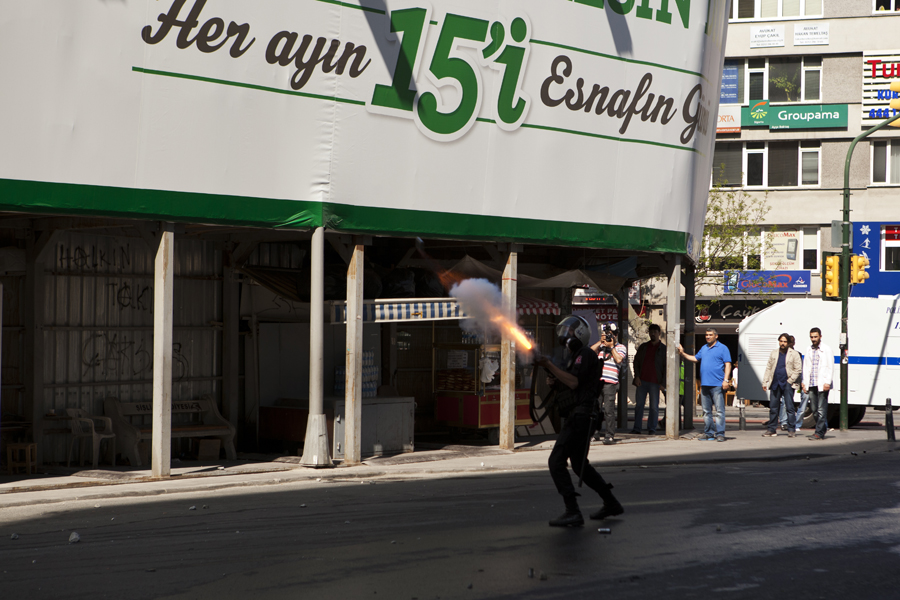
[{"x": 85, "y": 426}]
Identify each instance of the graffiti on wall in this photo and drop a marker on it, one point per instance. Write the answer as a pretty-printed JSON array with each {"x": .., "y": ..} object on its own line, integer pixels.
[{"x": 112, "y": 354}]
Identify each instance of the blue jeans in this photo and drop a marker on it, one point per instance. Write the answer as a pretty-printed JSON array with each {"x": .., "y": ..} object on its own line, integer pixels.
[
  {"x": 818, "y": 402},
  {"x": 640, "y": 397},
  {"x": 798, "y": 415},
  {"x": 708, "y": 395},
  {"x": 775, "y": 403}
]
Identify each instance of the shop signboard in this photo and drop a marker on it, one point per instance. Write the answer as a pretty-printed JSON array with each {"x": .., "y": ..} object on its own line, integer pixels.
[
  {"x": 799, "y": 116},
  {"x": 807, "y": 34},
  {"x": 730, "y": 83},
  {"x": 783, "y": 250},
  {"x": 729, "y": 119},
  {"x": 767, "y": 282},
  {"x": 466, "y": 119},
  {"x": 767, "y": 36},
  {"x": 879, "y": 70}
]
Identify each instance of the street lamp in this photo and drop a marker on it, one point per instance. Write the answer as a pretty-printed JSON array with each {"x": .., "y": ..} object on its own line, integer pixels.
[{"x": 845, "y": 251}]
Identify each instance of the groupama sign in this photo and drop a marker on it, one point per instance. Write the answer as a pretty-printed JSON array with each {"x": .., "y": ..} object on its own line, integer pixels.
[
  {"x": 802, "y": 116},
  {"x": 463, "y": 118}
]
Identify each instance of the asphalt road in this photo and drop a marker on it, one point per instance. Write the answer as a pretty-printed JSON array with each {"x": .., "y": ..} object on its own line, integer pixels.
[{"x": 817, "y": 528}]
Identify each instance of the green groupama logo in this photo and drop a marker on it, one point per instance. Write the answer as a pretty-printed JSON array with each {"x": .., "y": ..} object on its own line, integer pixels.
[
  {"x": 758, "y": 111},
  {"x": 498, "y": 45}
]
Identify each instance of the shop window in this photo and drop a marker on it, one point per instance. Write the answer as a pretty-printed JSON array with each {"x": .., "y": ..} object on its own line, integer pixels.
[
  {"x": 890, "y": 248},
  {"x": 768, "y": 164},
  {"x": 778, "y": 79},
  {"x": 756, "y": 162},
  {"x": 777, "y": 9},
  {"x": 886, "y": 161},
  {"x": 882, "y": 6},
  {"x": 811, "y": 248},
  {"x": 727, "y": 164}
]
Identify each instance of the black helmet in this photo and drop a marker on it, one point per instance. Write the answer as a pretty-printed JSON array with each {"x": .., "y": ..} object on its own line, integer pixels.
[{"x": 574, "y": 332}]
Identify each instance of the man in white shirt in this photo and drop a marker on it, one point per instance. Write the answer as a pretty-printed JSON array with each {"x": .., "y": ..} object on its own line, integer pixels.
[{"x": 818, "y": 366}]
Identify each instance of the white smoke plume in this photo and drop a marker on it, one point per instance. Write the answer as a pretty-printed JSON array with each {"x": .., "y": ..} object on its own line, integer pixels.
[{"x": 483, "y": 302}]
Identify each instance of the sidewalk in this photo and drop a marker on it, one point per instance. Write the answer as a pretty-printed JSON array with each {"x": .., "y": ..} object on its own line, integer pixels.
[{"x": 60, "y": 484}]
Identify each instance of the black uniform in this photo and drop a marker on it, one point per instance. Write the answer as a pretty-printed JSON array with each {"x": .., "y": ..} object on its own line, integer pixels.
[{"x": 573, "y": 439}]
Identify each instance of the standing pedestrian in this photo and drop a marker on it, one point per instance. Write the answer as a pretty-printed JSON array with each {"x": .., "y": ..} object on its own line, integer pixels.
[
  {"x": 649, "y": 376},
  {"x": 715, "y": 371},
  {"x": 780, "y": 379},
  {"x": 580, "y": 380},
  {"x": 818, "y": 366},
  {"x": 611, "y": 355}
]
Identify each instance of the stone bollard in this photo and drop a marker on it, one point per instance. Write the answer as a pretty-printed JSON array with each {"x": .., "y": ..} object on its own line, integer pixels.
[
  {"x": 889, "y": 420},
  {"x": 743, "y": 419}
]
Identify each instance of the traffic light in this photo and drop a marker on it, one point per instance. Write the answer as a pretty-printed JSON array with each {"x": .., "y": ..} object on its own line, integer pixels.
[
  {"x": 858, "y": 266},
  {"x": 832, "y": 276},
  {"x": 895, "y": 103}
]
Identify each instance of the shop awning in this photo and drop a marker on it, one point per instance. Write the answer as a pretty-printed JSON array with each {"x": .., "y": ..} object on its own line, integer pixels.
[{"x": 428, "y": 309}]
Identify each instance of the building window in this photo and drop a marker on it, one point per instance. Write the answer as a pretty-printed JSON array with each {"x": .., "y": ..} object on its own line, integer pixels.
[
  {"x": 767, "y": 164},
  {"x": 882, "y": 6},
  {"x": 777, "y": 79},
  {"x": 811, "y": 248},
  {"x": 890, "y": 248},
  {"x": 727, "y": 159},
  {"x": 886, "y": 161},
  {"x": 778, "y": 9}
]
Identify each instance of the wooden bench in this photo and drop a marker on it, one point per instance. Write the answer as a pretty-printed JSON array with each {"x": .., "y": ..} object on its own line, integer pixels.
[{"x": 132, "y": 422}]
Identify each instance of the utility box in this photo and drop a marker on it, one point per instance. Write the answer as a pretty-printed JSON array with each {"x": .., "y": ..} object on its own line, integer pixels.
[{"x": 387, "y": 426}]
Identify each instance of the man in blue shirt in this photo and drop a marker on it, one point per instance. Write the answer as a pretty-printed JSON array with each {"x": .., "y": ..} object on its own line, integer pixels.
[{"x": 715, "y": 371}]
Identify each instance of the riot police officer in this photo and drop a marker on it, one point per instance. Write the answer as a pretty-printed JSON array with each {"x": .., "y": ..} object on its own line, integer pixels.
[{"x": 576, "y": 387}]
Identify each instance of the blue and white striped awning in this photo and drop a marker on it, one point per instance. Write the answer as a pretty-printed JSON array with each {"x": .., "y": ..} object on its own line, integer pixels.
[
  {"x": 397, "y": 310},
  {"x": 429, "y": 309}
]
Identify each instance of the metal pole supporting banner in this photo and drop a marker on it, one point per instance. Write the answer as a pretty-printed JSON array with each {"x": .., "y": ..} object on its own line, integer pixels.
[
  {"x": 316, "y": 452},
  {"x": 508, "y": 358},
  {"x": 673, "y": 375},
  {"x": 353, "y": 383},
  {"x": 690, "y": 302},
  {"x": 163, "y": 304}
]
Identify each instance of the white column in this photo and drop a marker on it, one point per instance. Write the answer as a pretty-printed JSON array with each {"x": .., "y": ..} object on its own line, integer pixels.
[
  {"x": 673, "y": 373},
  {"x": 231, "y": 292},
  {"x": 508, "y": 358},
  {"x": 316, "y": 452},
  {"x": 163, "y": 284},
  {"x": 353, "y": 385}
]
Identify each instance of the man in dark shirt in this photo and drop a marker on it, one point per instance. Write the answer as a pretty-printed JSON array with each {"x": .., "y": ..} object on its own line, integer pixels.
[
  {"x": 581, "y": 377},
  {"x": 649, "y": 376}
]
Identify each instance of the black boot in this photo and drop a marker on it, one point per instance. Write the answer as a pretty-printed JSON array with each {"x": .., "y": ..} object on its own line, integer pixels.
[
  {"x": 608, "y": 510},
  {"x": 611, "y": 506},
  {"x": 571, "y": 518}
]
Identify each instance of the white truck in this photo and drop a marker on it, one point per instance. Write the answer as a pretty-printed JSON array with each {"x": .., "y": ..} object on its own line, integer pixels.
[{"x": 873, "y": 326}]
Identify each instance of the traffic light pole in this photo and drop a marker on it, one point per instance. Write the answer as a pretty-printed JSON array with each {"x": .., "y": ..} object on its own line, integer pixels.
[{"x": 845, "y": 267}]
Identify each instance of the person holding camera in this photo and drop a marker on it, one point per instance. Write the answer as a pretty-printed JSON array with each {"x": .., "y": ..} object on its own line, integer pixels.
[
  {"x": 576, "y": 391},
  {"x": 611, "y": 354}
]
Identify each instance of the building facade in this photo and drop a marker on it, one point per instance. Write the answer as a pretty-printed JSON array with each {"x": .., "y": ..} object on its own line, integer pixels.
[{"x": 802, "y": 79}]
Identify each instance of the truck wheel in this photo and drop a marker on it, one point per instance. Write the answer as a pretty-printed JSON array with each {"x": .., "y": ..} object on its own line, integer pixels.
[{"x": 855, "y": 414}]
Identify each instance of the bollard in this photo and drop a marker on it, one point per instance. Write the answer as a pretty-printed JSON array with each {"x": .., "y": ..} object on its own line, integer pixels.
[
  {"x": 889, "y": 420},
  {"x": 743, "y": 419}
]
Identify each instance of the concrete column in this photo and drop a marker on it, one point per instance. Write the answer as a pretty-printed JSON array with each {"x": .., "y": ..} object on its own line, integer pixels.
[
  {"x": 163, "y": 284},
  {"x": 673, "y": 376},
  {"x": 34, "y": 341},
  {"x": 316, "y": 452},
  {"x": 690, "y": 301},
  {"x": 508, "y": 357},
  {"x": 353, "y": 383},
  {"x": 231, "y": 292}
]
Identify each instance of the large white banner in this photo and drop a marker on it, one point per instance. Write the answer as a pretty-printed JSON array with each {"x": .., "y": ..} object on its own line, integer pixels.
[{"x": 580, "y": 123}]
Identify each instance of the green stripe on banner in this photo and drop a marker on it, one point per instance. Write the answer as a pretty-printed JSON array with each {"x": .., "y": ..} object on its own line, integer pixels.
[
  {"x": 392, "y": 221},
  {"x": 190, "y": 207},
  {"x": 76, "y": 199}
]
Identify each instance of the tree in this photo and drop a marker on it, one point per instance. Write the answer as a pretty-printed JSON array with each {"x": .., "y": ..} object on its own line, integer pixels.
[{"x": 732, "y": 238}]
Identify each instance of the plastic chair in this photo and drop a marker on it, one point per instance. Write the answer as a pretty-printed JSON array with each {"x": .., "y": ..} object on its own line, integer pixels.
[{"x": 84, "y": 426}]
